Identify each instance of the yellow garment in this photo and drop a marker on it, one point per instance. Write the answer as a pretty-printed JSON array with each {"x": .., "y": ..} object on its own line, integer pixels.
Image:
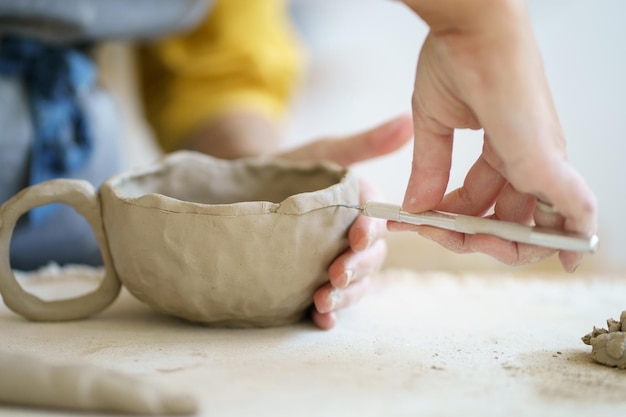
[{"x": 243, "y": 56}]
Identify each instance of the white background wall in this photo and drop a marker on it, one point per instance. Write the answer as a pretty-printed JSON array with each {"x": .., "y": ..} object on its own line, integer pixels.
[{"x": 362, "y": 60}]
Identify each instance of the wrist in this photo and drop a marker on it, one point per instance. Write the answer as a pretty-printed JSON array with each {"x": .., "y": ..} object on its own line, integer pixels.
[{"x": 462, "y": 15}]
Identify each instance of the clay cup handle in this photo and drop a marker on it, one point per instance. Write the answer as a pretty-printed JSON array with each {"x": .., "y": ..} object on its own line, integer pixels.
[{"x": 82, "y": 196}]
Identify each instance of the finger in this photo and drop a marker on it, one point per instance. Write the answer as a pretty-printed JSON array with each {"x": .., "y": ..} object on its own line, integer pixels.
[
  {"x": 329, "y": 299},
  {"x": 510, "y": 206},
  {"x": 554, "y": 220},
  {"x": 510, "y": 253},
  {"x": 478, "y": 194},
  {"x": 352, "y": 266},
  {"x": 549, "y": 220},
  {"x": 454, "y": 241},
  {"x": 366, "y": 230},
  {"x": 542, "y": 180},
  {"x": 575, "y": 202},
  {"x": 346, "y": 151},
  {"x": 513, "y": 206},
  {"x": 570, "y": 260},
  {"x": 324, "y": 321},
  {"x": 432, "y": 159},
  {"x": 556, "y": 182}
]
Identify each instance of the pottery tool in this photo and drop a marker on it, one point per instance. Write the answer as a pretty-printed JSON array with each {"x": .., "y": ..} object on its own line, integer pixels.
[{"x": 556, "y": 239}]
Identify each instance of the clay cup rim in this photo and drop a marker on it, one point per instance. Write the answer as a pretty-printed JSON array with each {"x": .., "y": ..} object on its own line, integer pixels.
[{"x": 191, "y": 182}]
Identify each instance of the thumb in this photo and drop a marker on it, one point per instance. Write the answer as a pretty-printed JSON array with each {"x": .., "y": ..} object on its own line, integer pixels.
[{"x": 349, "y": 150}]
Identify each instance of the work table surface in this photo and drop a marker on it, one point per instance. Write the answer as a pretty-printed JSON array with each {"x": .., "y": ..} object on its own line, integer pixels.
[{"x": 430, "y": 343}]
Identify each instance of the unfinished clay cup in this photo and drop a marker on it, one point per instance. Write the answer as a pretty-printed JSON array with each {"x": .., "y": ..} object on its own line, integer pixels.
[{"x": 232, "y": 243}]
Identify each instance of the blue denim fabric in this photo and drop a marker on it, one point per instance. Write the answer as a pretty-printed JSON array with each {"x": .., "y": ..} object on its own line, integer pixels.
[
  {"x": 53, "y": 77},
  {"x": 63, "y": 236}
]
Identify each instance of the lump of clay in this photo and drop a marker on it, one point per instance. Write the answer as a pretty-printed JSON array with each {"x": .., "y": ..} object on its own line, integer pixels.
[
  {"x": 608, "y": 347},
  {"x": 232, "y": 243},
  {"x": 29, "y": 381}
]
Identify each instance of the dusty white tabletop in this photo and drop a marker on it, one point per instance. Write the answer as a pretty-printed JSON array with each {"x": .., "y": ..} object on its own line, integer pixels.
[{"x": 431, "y": 344}]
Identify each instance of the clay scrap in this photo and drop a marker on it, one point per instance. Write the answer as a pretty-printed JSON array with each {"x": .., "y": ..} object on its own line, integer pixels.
[
  {"x": 608, "y": 346},
  {"x": 29, "y": 381}
]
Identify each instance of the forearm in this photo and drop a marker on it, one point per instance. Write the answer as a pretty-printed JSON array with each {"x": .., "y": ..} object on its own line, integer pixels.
[{"x": 236, "y": 134}]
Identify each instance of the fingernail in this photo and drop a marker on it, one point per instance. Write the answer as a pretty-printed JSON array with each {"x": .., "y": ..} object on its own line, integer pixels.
[
  {"x": 393, "y": 226},
  {"x": 575, "y": 268},
  {"x": 334, "y": 298},
  {"x": 348, "y": 274},
  {"x": 545, "y": 207}
]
